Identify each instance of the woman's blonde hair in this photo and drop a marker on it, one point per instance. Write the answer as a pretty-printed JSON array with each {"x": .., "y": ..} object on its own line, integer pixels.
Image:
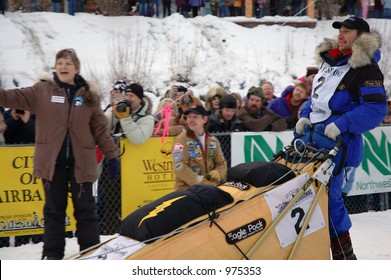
[
  {"x": 164, "y": 102},
  {"x": 69, "y": 53}
]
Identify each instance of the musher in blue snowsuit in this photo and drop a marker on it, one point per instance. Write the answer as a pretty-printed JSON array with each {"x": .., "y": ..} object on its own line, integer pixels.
[{"x": 347, "y": 99}]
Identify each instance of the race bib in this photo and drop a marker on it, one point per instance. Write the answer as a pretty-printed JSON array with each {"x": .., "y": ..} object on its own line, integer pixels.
[{"x": 323, "y": 88}]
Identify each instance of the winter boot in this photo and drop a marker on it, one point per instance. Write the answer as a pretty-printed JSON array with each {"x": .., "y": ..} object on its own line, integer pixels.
[{"x": 341, "y": 247}]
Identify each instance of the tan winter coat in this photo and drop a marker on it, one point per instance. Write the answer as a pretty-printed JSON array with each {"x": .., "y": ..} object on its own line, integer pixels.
[
  {"x": 191, "y": 163},
  {"x": 86, "y": 123}
]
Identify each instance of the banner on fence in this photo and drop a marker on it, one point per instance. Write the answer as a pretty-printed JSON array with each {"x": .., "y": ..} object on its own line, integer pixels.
[
  {"x": 372, "y": 176},
  {"x": 21, "y": 194},
  {"x": 146, "y": 172}
]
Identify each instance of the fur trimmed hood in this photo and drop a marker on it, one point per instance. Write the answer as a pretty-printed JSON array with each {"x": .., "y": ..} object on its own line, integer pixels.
[
  {"x": 365, "y": 49},
  {"x": 92, "y": 95}
]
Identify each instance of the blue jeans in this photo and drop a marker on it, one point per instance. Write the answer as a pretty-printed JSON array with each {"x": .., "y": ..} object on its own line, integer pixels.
[
  {"x": 143, "y": 9},
  {"x": 56, "y": 7},
  {"x": 155, "y": 7},
  {"x": 35, "y": 4},
  {"x": 71, "y": 7}
]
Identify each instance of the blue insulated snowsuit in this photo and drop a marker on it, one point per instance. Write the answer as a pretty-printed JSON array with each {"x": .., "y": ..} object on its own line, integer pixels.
[{"x": 355, "y": 100}]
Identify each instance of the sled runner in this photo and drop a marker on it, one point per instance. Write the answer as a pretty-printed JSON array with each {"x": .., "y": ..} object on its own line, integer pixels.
[{"x": 266, "y": 210}]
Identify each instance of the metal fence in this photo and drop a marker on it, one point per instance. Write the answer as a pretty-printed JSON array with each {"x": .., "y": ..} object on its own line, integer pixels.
[{"x": 109, "y": 200}]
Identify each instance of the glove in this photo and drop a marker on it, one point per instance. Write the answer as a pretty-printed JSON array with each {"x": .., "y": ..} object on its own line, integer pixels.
[
  {"x": 301, "y": 123},
  {"x": 332, "y": 131},
  {"x": 205, "y": 181},
  {"x": 113, "y": 168},
  {"x": 122, "y": 109},
  {"x": 214, "y": 175}
]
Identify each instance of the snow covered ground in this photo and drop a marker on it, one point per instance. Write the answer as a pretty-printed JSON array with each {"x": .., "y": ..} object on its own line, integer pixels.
[
  {"x": 206, "y": 50},
  {"x": 370, "y": 234}
]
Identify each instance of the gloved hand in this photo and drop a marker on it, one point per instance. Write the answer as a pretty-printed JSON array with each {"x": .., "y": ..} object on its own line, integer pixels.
[
  {"x": 301, "y": 123},
  {"x": 122, "y": 109},
  {"x": 215, "y": 176},
  {"x": 113, "y": 168},
  {"x": 205, "y": 181},
  {"x": 332, "y": 131}
]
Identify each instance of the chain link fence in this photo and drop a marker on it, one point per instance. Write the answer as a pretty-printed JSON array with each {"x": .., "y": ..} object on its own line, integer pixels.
[{"x": 109, "y": 196}]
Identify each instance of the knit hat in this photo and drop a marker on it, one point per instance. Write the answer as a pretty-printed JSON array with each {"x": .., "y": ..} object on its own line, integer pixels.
[
  {"x": 120, "y": 85},
  {"x": 228, "y": 101},
  {"x": 311, "y": 71},
  {"x": 136, "y": 89},
  {"x": 257, "y": 91}
]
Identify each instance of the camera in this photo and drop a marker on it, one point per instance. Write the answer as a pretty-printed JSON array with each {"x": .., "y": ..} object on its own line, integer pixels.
[
  {"x": 19, "y": 111},
  {"x": 122, "y": 105}
]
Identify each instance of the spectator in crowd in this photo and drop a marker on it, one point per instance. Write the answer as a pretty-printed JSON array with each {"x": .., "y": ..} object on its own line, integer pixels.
[
  {"x": 3, "y": 126},
  {"x": 184, "y": 98},
  {"x": 197, "y": 155},
  {"x": 4, "y": 241},
  {"x": 80, "y": 7},
  {"x": 21, "y": 130},
  {"x": 323, "y": 9},
  {"x": 71, "y": 7},
  {"x": 56, "y": 6},
  {"x": 3, "y": 6},
  {"x": 239, "y": 100},
  {"x": 237, "y": 8},
  {"x": 20, "y": 127},
  {"x": 166, "y": 8},
  {"x": 143, "y": 8},
  {"x": 260, "y": 8},
  {"x": 195, "y": 7},
  {"x": 213, "y": 97},
  {"x": 214, "y": 7},
  {"x": 365, "y": 7},
  {"x": 387, "y": 119},
  {"x": 174, "y": 127},
  {"x": 347, "y": 105},
  {"x": 378, "y": 8},
  {"x": 309, "y": 77},
  {"x": 255, "y": 117},
  {"x": 224, "y": 119},
  {"x": 288, "y": 105},
  {"x": 351, "y": 8},
  {"x": 132, "y": 117},
  {"x": 223, "y": 8},
  {"x": 34, "y": 5},
  {"x": 387, "y": 9},
  {"x": 268, "y": 92},
  {"x": 69, "y": 123},
  {"x": 117, "y": 93},
  {"x": 154, "y": 5},
  {"x": 180, "y": 6},
  {"x": 129, "y": 118}
]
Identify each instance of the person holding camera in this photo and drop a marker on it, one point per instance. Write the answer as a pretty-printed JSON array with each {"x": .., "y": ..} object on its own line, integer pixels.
[
  {"x": 131, "y": 117},
  {"x": 20, "y": 127},
  {"x": 69, "y": 125}
]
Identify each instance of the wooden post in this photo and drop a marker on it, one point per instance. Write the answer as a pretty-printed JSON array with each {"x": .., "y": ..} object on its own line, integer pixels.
[
  {"x": 311, "y": 8},
  {"x": 248, "y": 8}
]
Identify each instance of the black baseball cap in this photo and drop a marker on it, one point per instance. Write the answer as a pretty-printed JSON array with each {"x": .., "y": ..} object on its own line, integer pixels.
[
  {"x": 197, "y": 109},
  {"x": 353, "y": 23}
]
